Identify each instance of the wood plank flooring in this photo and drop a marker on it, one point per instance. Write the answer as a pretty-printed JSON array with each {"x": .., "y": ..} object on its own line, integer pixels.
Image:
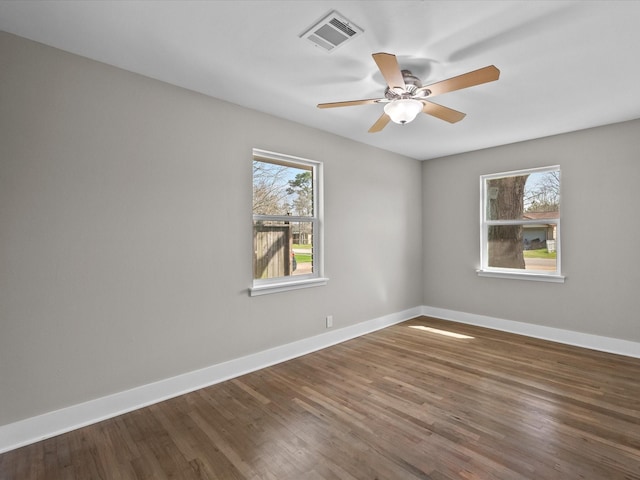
[{"x": 402, "y": 403}]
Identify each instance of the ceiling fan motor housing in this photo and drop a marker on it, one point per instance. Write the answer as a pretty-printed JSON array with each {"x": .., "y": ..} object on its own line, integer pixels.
[{"x": 412, "y": 88}]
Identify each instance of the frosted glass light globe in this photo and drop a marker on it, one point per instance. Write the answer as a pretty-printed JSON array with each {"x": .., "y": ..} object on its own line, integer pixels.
[{"x": 403, "y": 111}]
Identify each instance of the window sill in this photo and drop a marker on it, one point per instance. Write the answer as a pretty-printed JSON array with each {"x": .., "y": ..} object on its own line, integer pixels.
[
  {"x": 536, "y": 277},
  {"x": 268, "y": 288}
]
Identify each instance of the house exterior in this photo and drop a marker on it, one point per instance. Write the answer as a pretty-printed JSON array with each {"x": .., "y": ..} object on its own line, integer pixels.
[{"x": 537, "y": 236}]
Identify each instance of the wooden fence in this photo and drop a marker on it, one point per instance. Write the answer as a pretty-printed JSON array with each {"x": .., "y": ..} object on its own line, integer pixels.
[{"x": 272, "y": 245}]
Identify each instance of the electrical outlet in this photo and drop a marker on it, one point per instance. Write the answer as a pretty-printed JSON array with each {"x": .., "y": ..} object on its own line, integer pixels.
[{"x": 329, "y": 321}]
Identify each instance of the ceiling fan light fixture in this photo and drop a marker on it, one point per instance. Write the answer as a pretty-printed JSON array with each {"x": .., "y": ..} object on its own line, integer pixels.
[{"x": 404, "y": 110}]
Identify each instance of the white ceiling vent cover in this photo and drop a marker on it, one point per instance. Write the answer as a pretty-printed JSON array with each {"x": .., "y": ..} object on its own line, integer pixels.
[{"x": 332, "y": 32}]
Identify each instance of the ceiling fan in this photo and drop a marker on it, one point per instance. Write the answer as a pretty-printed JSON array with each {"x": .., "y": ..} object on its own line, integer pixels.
[{"x": 405, "y": 96}]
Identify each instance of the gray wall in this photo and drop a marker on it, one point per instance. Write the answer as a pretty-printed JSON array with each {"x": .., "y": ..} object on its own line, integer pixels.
[
  {"x": 125, "y": 231},
  {"x": 600, "y": 171}
]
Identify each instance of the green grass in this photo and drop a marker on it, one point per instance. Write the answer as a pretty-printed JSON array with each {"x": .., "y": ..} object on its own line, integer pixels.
[
  {"x": 542, "y": 253},
  {"x": 303, "y": 257}
]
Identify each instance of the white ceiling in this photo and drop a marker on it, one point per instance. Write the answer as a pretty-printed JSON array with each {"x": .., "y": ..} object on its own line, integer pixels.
[{"x": 565, "y": 65}]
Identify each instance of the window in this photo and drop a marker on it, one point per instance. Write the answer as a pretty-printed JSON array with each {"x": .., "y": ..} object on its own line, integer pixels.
[
  {"x": 520, "y": 224},
  {"x": 287, "y": 223}
]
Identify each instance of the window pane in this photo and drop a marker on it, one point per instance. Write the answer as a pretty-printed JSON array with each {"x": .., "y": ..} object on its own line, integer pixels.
[
  {"x": 282, "y": 249},
  {"x": 531, "y": 196},
  {"x": 524, "y": 247},
  {"x": 280, "y": 189}
]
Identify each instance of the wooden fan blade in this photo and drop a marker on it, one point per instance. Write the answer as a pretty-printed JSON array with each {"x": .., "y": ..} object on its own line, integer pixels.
[
  {"x": 380, "y": 123},
  {"x": 350, "y": 103},
  {"x": 471, "y": 79},
  {"x": 443, "y": 113},
  {"x": 388, "y": 65}
]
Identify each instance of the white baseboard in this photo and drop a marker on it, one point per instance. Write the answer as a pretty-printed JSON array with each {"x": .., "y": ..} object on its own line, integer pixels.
[
  {"x": 569, "y": 337},
  {"x": 34, "y": 429}
]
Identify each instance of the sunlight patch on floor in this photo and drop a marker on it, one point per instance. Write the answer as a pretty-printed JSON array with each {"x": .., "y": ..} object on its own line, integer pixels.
[{"x": 440, "y": 332}]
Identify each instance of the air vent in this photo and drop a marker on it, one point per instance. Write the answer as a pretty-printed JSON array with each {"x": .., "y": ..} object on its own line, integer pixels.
[{"x": 332, "y": 32}]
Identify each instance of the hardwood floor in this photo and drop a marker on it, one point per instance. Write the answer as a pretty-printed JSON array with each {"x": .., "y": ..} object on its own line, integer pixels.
[{"x": 401, "y": 403}]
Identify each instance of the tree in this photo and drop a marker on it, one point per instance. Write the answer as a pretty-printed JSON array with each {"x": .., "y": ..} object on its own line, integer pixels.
[
  {"x": 270, "y": 195},
  {"x": 506, "y": 203},
  {"x": 302, "y": 188},
  {"x": 544, "y": 195}
]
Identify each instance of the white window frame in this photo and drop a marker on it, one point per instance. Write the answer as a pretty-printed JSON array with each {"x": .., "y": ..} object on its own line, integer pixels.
[
  {"x": 513, "y": 273},
  {"x": 316, "y": 278}
]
